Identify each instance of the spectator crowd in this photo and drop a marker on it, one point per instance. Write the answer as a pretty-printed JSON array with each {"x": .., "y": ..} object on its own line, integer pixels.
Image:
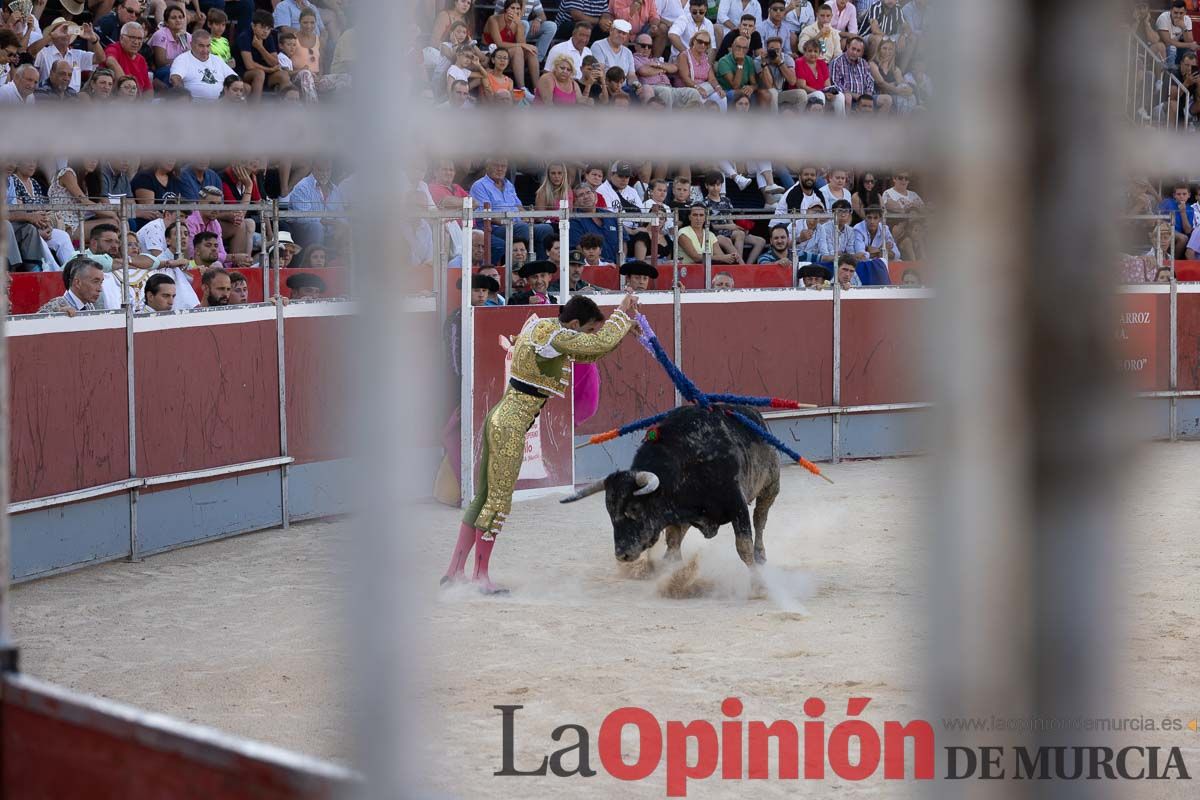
[
  {"x": 236, "y": 51},
  {"x": 726, "y": 56},
  {"x": 819, "y": 216}
]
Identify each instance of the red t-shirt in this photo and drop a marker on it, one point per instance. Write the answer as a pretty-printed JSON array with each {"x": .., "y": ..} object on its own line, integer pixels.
[
  {"x": 134, "y": 67},
  {"x": 439, "y": 192},
  {"x": 814, "y": 81}
]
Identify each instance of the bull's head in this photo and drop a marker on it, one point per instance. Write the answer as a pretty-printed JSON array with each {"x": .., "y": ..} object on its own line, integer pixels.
[{"x": 636, "y": 508}]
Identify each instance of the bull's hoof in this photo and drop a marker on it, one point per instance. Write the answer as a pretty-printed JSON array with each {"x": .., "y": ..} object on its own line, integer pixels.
[
  {"x": 673, "y": 555},
  {"x": 760, "y": 556}
]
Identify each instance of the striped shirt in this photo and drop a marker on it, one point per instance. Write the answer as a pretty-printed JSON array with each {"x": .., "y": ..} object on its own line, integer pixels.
[
  {"x": 888, "y": 19},
  {"x": 852, "y": 77},
  {"x": 593, "y": 8}
]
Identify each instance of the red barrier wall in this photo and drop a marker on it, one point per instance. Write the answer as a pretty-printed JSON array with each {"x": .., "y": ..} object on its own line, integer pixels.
[
  {"x": 206, "y": 396},
  {"x": 318, "y": 374},
  {"x": 781, "y": 349},
  {"x": 881, "y": 350},
  {"x": 29, "y": 291},
  {"x": 68, "y": 412},
  {"x": 1143, "y": 334},
  {"x": 1189, "y": 341},
  {"x": 632, "y": 385},
  {"x": 52, "y": 751}
]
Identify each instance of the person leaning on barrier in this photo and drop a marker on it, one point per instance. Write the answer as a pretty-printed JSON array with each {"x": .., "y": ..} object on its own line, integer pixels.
[
  {"x": 575, "y": 275},
  {"x": 538, "y": 274},
  {"x": 812, "y": 276},
  {"x": 84, "y": 278},
  {"x": 215, "y": 288},
  {"x": 239, "y": 291},
  {"x": 638, "y": 275},
  {"x": 495, "y": 298},
  {"x": 722, "y": 281},
  {"x": 160, "y": 293},
  {"x": 847, "y": 272},
  {"x": 306, "y": 286}
]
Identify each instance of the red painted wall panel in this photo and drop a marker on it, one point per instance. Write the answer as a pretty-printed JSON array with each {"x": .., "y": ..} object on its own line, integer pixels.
[
  {"x": 779, "y": 349},
  {"x": 319, "y": 382},
  {"x": 69, "y": 412},
  {"x": 881, "y": 355},
  {"x": 48, "y": 759},
  {"x": 206, "y": 396},
  {"x": 1189, "y": 341}
]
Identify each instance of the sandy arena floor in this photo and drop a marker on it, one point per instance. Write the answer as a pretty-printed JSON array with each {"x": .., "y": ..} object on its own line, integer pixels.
[{"x": 242, "y": 634}]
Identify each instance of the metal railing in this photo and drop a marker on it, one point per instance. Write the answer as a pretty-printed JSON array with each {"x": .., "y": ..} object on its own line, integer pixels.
[
  {"x": 656, "y": 225},
  {"x": 1151, "y": 89}
]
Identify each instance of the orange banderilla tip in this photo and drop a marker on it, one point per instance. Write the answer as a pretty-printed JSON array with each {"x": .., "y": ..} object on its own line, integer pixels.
[
  {"x": 811, "y": 467},
  {"x": 600, "y": 438}
]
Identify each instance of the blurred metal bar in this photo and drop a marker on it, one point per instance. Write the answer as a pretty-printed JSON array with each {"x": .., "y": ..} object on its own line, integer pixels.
[
  {"x": 8, "y": 652},
  {"x": 1022, "y": 570},
  {"x": 128, "y": 209},
  {"x": 185, "y": 132},
  {"x": 467, "y": 396}
]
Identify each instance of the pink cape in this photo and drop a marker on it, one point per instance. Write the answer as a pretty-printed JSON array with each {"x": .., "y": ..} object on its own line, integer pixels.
[{"x": 587, "y": 391}]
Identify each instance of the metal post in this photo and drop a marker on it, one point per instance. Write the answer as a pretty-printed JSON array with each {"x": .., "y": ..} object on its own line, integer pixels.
[
  {"x": 467, "y": 389},
  {"x": 677, "y": 320},
  {"x": 265, "y": 269},
  {"x": 281, "y": 357},
  {"x": 707, "y": 263},
  {"x": 564, "y": 257},
  {"x": 1173, "y": 402},
  {"x": 487, "y": 240},
  {"x": 655, "y": 232},
  {"x": 508, "y": 244},
  {"x": 127, "y": 210},
  {"x": 835, "y": 443},
  {"x": 620, "y": 240},
  {"x": 8, "y": 652},
  {"x": 275, "y": 249},
  {"x": 439, "y": 272}
]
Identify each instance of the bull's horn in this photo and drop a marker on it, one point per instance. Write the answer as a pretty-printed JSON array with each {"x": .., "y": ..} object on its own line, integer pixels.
[
  {"x": 586, "y": 491},
  {"x": 647, "y": 481}
]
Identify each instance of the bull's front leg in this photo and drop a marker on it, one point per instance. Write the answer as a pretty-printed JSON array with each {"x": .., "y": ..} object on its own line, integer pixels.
[
  {"x": 675, "y": 534},
  {"x": 743, "y": 536}
]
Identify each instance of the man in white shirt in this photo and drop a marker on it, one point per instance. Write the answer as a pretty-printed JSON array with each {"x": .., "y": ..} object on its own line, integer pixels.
[
  {"x": 684, "y": 28},
  {"x": 612, "y": 52},
  {"x": 57, "y": 47},
  {"x": 1174, "y": 27},
  {"x": 20, "y": 88},
  {"x": 574, "y": 48},
  {"x": 618, "y": 194},
  {"x": 198, "y": 71}
]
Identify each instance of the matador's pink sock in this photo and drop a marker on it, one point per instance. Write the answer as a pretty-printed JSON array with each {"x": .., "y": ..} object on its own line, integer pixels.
[
  {"x": 483, "y": 555},
  {"x": 458, "y": 560}
]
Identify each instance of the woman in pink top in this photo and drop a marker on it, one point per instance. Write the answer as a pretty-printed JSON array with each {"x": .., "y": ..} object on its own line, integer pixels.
[
  {"x": 695, "y": 72},
  {"x": 558, "y": 87},
  {"x": 169, "y": 41}
]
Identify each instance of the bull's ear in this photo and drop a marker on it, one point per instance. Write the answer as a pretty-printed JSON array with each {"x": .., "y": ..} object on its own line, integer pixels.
[{"x": 586, "y": 491}]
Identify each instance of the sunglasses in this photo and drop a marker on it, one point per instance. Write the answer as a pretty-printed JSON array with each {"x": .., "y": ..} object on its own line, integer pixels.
[{"x": 703, "y": 41}]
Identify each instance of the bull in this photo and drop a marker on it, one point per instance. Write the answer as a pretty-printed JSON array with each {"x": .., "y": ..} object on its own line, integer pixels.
[{"x": 703, "y": 470}]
